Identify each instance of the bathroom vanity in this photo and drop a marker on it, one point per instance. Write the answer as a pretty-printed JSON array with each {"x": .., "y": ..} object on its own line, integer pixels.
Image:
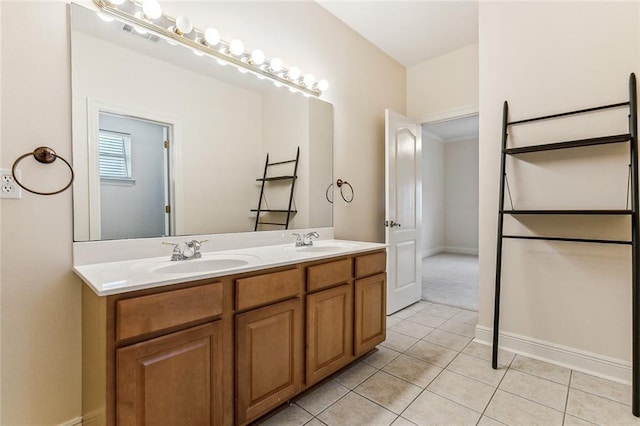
[{"x": 225, "y": 346}]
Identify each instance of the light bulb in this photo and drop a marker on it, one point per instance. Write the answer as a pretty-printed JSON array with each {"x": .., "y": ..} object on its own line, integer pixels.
[
  {"x": 184, "y": 25},
  {"x": 323, "y": 85},
  {"x": 236, "y": 47},
  {"x": 212, "y": 36},
  {"x": 151, "y": 9},
  {"x": 308, "y": 80},
  {"x": 293, "y": 73},
  {"x": 257, "y": 57},
  {"x": 104, "y": 17},
  {"x": 275, "y": 65}
]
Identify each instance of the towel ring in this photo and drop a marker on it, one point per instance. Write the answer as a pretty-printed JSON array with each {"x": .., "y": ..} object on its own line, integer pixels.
[
  {"x": 326, "y": 193},
  {"x": 340, "y": 184},
  {"x": 44, "y": 155}
]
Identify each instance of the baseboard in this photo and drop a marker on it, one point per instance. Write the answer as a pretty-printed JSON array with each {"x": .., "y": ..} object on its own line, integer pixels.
[
  {"x": 73, "y": 422},
  {"x": 576, "y": 359},
  {"x": 432, "y": 251},
  {"x": 460, "y": 250}
]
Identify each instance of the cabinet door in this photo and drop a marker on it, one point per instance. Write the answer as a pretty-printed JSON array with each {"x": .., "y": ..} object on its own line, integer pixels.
[
  {"x": 329, "y": 331},
  {"x": 172, "y": 380},
  {"x": 268, "y": 358},
  {"x": 370, "y": 307}
]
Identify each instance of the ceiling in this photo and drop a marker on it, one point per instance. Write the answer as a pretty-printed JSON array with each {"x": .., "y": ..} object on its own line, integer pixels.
[
  {"x": 455, "y": 130},
  {"x": 410, "y": 32}
]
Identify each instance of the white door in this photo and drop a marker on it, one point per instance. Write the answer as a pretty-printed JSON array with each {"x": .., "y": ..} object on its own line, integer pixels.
[{"x": 403, "y": 210}]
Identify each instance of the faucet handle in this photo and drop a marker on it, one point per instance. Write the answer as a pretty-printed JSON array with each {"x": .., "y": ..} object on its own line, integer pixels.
[
  {"x": 194, "y": 246},
  {"x": 309, "y": 236},
  {"x": 298, "y": 238},
  {"x": 177, "y": 253}
]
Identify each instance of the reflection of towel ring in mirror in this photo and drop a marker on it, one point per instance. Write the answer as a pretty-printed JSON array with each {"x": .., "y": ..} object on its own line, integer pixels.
[
  {"x": 44, "y": 155},
  {"x": 326, "y": 193},
  {"x": 340, "y": 184}
]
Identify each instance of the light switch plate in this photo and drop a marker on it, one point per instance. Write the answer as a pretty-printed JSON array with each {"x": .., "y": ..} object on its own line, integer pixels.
[{"x": 8, "y": 187}]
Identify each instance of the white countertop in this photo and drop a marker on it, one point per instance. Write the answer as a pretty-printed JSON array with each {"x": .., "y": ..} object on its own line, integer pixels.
[{"x": 129, "y": 275}]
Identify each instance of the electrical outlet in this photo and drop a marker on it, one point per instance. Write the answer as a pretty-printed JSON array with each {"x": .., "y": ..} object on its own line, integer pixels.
[{"x": 8, "y": 186}]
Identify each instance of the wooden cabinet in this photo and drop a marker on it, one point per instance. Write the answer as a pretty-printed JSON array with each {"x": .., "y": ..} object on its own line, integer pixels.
[
  {"x": 329, "y": 331},
  {"x": 370, "y": 307},
  {"x": 175, "y": 379},
  {"x": 268, "y": 358},
  {"x": 228, "y": 350}
]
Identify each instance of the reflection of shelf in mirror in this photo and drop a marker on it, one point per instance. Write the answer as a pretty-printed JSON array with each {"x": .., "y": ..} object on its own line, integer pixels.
[
  {"x": 275, "y": 210},
  {"x": 281, "y": 162},
  {"x": 272, "y": 223},
  {"x": 568, "y": 239},
  {"x": 569, "y": 212},
  {"x": 570, "y": 144},
  {"x": 269, "y": 179}
]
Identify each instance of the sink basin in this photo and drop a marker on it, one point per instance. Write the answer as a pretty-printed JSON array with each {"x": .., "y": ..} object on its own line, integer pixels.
[
  {"x": 323, "y": 247},
  {"x": 205, "y": 264}
]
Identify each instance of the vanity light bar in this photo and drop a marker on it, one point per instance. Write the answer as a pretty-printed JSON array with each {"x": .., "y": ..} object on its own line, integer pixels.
[{"x": 148, "y": 16}]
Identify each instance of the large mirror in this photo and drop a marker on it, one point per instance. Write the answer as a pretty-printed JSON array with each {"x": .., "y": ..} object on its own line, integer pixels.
[{"x": 166, "y": 142}]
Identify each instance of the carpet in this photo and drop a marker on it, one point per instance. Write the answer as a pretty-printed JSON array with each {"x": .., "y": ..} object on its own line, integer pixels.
[{"x": 451, "y": 279}]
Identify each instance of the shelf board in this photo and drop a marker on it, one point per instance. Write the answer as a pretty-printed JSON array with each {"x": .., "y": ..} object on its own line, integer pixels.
[
  {"x": 281, "y": 162},
  {"x": 570, "y": 212},
  {"x": 564, "y": 114},
  {"x": 275, "y": 210},
  {"x": 569, "y": 144},
  {"x": 567, "y": 239},
  {"x": 269, "y": 179},
  {"x": 272, "y": 223}
]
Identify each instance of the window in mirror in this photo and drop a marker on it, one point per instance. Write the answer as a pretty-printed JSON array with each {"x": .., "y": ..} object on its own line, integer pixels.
[{"x": 114, "y": 155}]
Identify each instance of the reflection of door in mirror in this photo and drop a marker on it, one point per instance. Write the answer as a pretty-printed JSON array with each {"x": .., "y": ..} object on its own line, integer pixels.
[{"x": 134, "y": 177}]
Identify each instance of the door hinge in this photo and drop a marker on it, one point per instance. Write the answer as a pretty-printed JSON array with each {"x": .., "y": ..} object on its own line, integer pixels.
[
  {"x": 166, "y": 144},
  {"x": 167, "y": 209}
]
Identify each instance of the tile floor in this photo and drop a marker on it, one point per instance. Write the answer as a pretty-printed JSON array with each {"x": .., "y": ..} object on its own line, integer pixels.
[{"x": 429, "y": 372}]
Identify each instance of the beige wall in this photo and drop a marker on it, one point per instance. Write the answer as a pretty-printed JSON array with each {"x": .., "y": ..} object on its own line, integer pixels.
[
  {"x": 40, "y": 305},
  {"x": 445, "y": 83},
  {"x": 433, "y": 216},
  {"x": 461, "y": 195},
  {"x": 545, "y": 58}
]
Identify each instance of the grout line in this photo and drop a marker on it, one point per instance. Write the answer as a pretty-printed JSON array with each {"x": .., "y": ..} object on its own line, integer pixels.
[
  {"x": 602, "y": 397},
  {"x": 531, "y": 400},
  {"x": 566, "y": 401},
  {"x": 497, "y": 387}
]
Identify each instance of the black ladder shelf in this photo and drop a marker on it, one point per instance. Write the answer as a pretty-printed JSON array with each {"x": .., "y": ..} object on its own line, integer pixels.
[
  {"x": 264, "y": 179},
  {"x": 632, "y": 138}
]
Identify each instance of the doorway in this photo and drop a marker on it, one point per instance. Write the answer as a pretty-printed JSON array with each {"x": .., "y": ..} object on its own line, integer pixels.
[
  {"x": 450, "y": 212},
  {"x": 134, "y": 177}
]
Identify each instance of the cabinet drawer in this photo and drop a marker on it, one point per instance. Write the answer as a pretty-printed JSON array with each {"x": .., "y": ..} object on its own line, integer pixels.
[
  {"x": 146, "y": 314},
  {"x": 267, "y": 288},
  {"x": 370, "y": 264},
  {"x": 328, "y": 274}
]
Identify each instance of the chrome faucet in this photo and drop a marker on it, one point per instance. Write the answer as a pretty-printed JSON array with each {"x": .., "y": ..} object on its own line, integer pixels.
[
  {"x": 191, "y": 250},
  {"x": 305, "y": 240}
]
